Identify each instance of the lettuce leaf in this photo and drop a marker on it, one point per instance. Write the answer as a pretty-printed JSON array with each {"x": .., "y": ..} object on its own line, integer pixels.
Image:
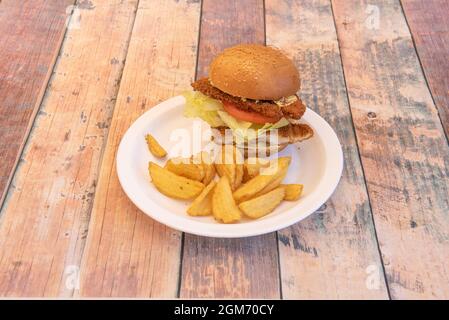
[
  {"x": 210, "y": 110},
  {"x": 232, "y": 122},
  {"x": 201, "y": 106},
  {"x": 281, "y": 123}
]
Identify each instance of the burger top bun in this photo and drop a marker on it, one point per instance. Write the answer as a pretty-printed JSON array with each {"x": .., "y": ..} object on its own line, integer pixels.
[{"x": 254, "y": 71}]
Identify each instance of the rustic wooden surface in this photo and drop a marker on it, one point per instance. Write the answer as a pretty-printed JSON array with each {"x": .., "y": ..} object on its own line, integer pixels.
[
  {"x": 404, "y": 152},
  {"x": 383, "y": 234},
  {"x": 429, "y": 24},
  {"x": 31, "y": 34},
  {"x": 328, "y": 254},
  {"x": 225, "y": 267},
  {"x": 127, "y": 254},
  {"x": 44, "y": 220}
]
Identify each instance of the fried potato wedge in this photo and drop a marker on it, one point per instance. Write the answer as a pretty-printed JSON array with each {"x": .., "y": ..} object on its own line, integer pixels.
[
  {"x": 202, "y": 205},
  {"x": 254, "y": 186},
  {"x": 228, "y": 170},
  {"x": 252, "y": 167},
  {"x": 276, "y": 182},
  {"x": 209, "y": 173},
  {"x": 206, "y": 161},
  {"x": 185, "y": 168},
  {"x": 262, "y": 205},
  {"x": 239, "y": 170},
  {"x": 172, "y": 185},
  {"x": 292, "y": 191},
  {"x": 224, "y": 207},
  {"x": 229, "y": 162},
  {"x": 154, "y": 147},
  {"x": 219, "y": 169}
]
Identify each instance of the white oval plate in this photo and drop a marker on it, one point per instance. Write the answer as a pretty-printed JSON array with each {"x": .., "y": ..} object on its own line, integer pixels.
[{"x": 317, "y": 163}]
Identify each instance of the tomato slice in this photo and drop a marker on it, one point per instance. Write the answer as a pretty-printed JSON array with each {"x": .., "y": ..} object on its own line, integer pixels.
[{"x": 249, "y": 116}]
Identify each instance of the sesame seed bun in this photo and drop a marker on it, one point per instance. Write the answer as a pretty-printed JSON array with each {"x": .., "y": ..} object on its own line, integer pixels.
[{"x": 254, "y": 71}]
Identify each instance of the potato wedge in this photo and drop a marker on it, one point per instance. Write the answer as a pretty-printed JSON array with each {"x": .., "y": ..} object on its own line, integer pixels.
[
  {"x": 238, "y": 176},
  {"x": 233, "y": 171},
  {"x": 252, "y": 167},
  {"x": 209, "y": 173},
  {"x": 205, "y": 160},
  {"x": 276, "y": 182},
  {"x": 251, "y": 188},
  {"x": 292, "y": 191},
  {"x": 172, "y": 185},
  {"x": 154, "y": 147},
  {"x": 219, "y": 169},
  {"x": 229, "y": 162},
  {"x": 262, "y": 205},
  {"x": 224, "y": 207},
  {"x": 227, "y": 170},
  {"x": 202, "y": 205},
  {"x": 185, "y": 168}
]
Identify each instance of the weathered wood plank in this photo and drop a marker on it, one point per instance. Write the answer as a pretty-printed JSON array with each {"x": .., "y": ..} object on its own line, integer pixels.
[
  {"x": 429, "y": 24},
  {"x": 237, "y": 268},
  {"x": 128, "y": 254},
  {"x": 44, "y": 220},
  {"x": 31, "y": 34},
  {"x": 404, "y": 153},
  {"x": 227, "y": 23},
  {"x": 333, "y": 254}
]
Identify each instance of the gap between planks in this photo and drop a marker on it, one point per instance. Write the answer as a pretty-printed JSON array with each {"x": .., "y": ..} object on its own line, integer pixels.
[
  {"x": 128, "y": 254},
  {"x": 326, "y": 255},
  {"x": 432, "y": 53},
  {"x": 360, "y": 160},
  {"x": 402, "y": 146},
  {"x": 10, "y": 162},
  {"x": 224, "y": 268},
  {"x": 45, "y": 221}
]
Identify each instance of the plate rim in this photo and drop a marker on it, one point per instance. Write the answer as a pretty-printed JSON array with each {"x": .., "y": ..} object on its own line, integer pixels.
[{"x": 200, "y": 228}]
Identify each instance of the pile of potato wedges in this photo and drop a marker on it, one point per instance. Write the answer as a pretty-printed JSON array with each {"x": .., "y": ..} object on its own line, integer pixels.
[{"x": 249, "y": 188}]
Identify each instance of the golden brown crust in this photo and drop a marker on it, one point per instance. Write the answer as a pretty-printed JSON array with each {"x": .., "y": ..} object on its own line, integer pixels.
[
  {"x": 254, "y": 71},
  {"x": 247, "y": 153},
  {"x": 266, "y": 108},
  {"x": 288, "y": 134},
  {"x": 248, "y": 150},
  {"x": 294, "y": 110},
  {"x": 295, "y": 133}
]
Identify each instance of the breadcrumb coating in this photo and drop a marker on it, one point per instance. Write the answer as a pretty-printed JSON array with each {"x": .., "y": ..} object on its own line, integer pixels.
[{"x": 267, "y": 108}]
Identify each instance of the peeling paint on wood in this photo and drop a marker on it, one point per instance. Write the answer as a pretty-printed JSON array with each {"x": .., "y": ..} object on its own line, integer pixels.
[
  {"x": 325, "y": 256},
  {"x": 127, "y": 253},
  {"x": 44, "y": 222},
  {"x": 404, "y": 152},
  {"x": 31, "y": 35},
  {"x": 429, "y": 25}
]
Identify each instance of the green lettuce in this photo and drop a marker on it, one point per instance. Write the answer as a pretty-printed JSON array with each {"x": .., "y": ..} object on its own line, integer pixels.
[
  {"x": 201, "y": 106},
  {"x": 281, "y": 123},
  {"x": 232, "y": 122},
  {"x": 210, "y": 110}
]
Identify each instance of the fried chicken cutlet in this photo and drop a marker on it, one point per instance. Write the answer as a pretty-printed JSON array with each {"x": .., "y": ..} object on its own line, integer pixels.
[{"x": 294, "y": 110}]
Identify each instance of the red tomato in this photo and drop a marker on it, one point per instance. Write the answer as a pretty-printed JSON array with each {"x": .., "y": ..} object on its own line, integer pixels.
[{"x": 249, "y": 116}]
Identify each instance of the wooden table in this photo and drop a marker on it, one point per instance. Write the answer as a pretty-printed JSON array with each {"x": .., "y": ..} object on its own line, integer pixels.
[{"x": 74, "y": 76}]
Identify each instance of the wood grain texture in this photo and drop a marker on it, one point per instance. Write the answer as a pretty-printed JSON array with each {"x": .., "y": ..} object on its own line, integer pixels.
[
  {"x": 333, "y": 254},
  {"x": 44, "y": 220},
  {"x": 127, "y": 253},
  {"x": 227, "y": 23},
  {"x": 429, "y": 24},
  {"x": 404, "y": 153},
  {"x": 232, "y": 268},
  {"x": 31, "y": 33}
]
